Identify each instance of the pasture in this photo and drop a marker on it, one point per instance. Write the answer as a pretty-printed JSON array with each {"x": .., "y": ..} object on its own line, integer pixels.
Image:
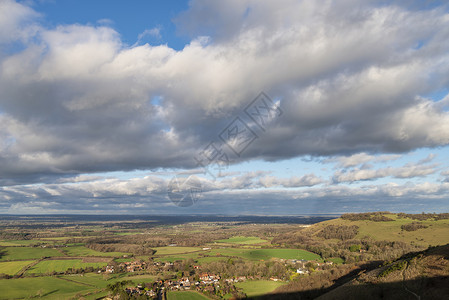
[
  {"x": 283, "y": 254},
  {"x": 48, "y": 287},
  {"x": 84, "y": 251},
  {"x": 266, "y": 254},
  {"x": 185, "y": 295},
  {"x": 100, "y": 281},
  {"x": 175, "y": 250},
  {"x": 243, "y": 240},
  {"x": 48, "y": 266},
  {"x": 259, "y": 287},
  {"x": 26, "y": 253},
  {"x": 19, "y": 243},
  {"x": 12, "y": 267}
]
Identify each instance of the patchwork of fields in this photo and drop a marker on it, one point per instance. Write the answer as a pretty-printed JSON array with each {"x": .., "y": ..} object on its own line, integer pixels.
[{"x": 25, "y": 257}]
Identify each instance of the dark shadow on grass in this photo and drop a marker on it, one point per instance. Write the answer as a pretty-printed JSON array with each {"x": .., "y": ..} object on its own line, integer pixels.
[{"x": 423, "y": 288}]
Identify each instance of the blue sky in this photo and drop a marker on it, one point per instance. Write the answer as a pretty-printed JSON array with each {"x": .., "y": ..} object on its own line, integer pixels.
[
  {"x": 129, "y": 19},
  {"x": 105, "y": 104}
]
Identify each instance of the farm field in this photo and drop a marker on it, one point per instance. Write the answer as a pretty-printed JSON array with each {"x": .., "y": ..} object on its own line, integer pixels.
[
  {"x": 175, "y": 250},
  {"x": 100, "y": 281},
  {"x": 185, "y": 295},
  {"x": 47, "y": 266},
  {"x": 47, "y": 287},
  {"x": 19, "y": 243},
  {"x": 172, "y": 258},
  {"x": 84, "y": 251},
  {"x": 266, "y": 254},
  {"x": 259, "y": 287},
  {"x": 26, "y": 253},
  {"x": 12, "y": 267},
  {"x": 243, "y": 240},
  {"x": 208, "y": 259},
  {"x": 283, "y": 254}
]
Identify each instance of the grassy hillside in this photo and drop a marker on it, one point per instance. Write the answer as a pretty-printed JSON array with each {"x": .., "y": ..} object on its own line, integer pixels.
[
  {"x": 435, "y": 233},
  {"x": 423, "y": 275}
]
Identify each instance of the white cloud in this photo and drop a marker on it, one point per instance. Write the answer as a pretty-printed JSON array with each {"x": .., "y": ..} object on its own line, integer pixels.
[
  {"x": 349, "y": 75},
  {"x": 361, "y": 158},
  {"x": 406, "y": 171},
  {"x": 153, "y": 32}
]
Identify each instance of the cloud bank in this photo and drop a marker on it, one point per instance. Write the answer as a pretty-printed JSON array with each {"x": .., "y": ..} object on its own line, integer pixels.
[{"x": 353, "y": 80}]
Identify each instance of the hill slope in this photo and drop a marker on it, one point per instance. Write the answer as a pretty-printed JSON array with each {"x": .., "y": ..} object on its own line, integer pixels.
[
  {"x": 421, "y": 229},
  {"x": 423, "y": 275}
]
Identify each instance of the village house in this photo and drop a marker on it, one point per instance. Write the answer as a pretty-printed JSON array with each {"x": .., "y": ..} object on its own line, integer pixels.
[
  {"x": 133, "y": 266},
  {"x": 302, "y": 271},
  {"x": 209, "y": 278},
  {"x": 109, "y": 269}
]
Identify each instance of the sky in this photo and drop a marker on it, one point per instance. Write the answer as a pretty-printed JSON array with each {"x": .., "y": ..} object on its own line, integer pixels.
[{"x": 239, "y": 107}]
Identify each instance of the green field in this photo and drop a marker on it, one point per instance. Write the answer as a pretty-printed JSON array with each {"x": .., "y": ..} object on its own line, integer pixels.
[
  {"x": 172, "y": 258},
  {"x": 209, "y": 259},
  {"x": 185, "y": 295},
  {"x": 50, "y": 287},
  {"x": 12, "y": 267},
  {"x": 19, "y": 242},
  {"x": 336, "y": 260},
  {"x": 266, "y": 254},
  {"x": 47, "y": 266},
  {"x": 257, "y": 288},
  {"x": 175, "y": 250},
  {"x": 24, "y": 253},
  {"x": 101, "y": 281},
  {"x": 84, "y": 251},
  {"x": 243, "y": 240}
]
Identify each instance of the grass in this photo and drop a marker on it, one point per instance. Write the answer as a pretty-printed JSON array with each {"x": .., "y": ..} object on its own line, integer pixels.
[
  {"x": 19, "y": 243},
  {"x": 127, "y": 233},
  {"x": 26, "y": 253},
  {"x": 51, "y": 287},
  {"x": 336, "y": 260},
  {"x": 266, "y": 254},
  {"x": 12, "y": 267},
  {"x": 209, "y": 259},
  {"x": 437, "y": 232},
  {"x": 175, "y": 250},
  {"x": 243, "y": 240},
  {"x": 172, "y": 258},
  {"x": 101, "y": 281},
  {"x": 84, "y": 251},
  {"x": 185, "y": 295},
  {"x": 259, "y": 287},
  {"x": 284, "y": 254},
  {"x": 47, "y": 266}
]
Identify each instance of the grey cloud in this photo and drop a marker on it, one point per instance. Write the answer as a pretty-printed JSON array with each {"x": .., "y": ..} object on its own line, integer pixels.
[
  {"x": 350, "y": 79},
  {"x": 148, "y": 195}
]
